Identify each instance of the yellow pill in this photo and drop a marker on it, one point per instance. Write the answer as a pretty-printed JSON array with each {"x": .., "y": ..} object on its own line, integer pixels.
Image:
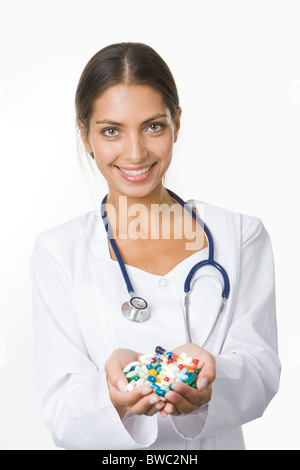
[
  {"x": 152, "y": 372},
  {"x": 158, "y": 380}
]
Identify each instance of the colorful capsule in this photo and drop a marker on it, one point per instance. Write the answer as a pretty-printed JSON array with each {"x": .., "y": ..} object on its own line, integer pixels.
[
  {"x": 161, "y": 369},
  {"x": 192, "y": 379},
  {"x": 151, "y": 378}
]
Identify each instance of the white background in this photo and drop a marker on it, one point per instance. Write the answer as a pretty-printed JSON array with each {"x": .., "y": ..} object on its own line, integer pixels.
[{"x": 237, "y": 68}]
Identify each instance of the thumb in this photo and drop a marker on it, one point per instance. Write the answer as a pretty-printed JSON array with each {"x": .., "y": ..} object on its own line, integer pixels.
[
  {"x": 115, "y": 376},
  {"x": 207, "y": 374},
  {"x": 202, "y": 384},
  {"x": 122, "y": 384}
]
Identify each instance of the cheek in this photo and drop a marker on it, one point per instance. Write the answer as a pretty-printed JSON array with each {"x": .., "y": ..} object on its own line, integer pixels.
[
  {"x": 163, "y": 148},
  {"x": 105, "y": 153}
]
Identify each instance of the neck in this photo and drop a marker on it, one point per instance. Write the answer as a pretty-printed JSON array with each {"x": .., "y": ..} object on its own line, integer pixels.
[
  {"x": 122, "y": 210},
  {"x": 158, "y": 196}
]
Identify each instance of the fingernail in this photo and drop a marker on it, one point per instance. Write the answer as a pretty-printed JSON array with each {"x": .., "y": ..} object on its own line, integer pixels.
[
  {"x": 202, "y": 385},
  {"x": 146, "y": 390},
  {"x": 154, "y": 400},
  {"x": 121, "y": 386},
  {"x": 168, "y": 408},
  {"x": 159, "y": 406}
]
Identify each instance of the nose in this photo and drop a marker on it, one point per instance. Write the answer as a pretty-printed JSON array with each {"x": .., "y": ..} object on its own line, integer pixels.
[{"x": 135, "y": 149}]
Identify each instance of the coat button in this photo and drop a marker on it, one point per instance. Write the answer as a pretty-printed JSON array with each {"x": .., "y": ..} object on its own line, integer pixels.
[{"x": 163, "y": 281}]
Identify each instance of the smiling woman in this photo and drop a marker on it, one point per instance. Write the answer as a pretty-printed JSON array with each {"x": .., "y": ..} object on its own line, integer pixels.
[
  {"x": 137, "y": 146},
  {"x": 128, "y": 115},
  {"x": 128, "y": 112}
]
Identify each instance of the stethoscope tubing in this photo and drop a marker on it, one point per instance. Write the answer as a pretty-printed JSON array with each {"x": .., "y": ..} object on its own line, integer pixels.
[{"x": 115, "y": 248}]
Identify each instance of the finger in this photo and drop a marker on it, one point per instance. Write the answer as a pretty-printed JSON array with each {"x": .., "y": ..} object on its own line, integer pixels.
[
  {"x": 180, "y": 403},
  {"x": 188, "y": 400},
  {"x": 191, "y": 394},
  {"x": 169, "y": 409},
  {"x": 207, "y": 374},
  {"x": 156, "y": 407},
  {"x": 148, "y": 405},
  {"x": 139, "y": 401},
  {"x": 129, "y": 399}
]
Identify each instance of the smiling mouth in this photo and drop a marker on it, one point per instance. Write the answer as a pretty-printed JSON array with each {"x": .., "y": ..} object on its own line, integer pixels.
[{"x": 136, "y": 172}]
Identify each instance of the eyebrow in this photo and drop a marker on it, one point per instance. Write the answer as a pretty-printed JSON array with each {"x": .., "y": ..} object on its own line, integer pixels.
[{"x": 120, "y": 124}]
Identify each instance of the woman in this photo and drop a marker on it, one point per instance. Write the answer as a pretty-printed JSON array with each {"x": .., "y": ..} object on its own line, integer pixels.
[{"x": 128, "y": 115}]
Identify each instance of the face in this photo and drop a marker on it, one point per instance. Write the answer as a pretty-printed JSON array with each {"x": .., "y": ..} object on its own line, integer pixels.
[{"x": 131, "y": 136}]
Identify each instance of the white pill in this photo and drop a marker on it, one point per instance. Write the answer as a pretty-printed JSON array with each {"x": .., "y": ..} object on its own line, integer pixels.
[
  {"x": 128, "y": 367},
  {"x": 188, "y": 360},
  {"x": 147, "y": 358},
  {"x": 141, "y": 381}
]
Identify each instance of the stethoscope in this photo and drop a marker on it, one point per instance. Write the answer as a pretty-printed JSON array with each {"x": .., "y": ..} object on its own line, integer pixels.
[{"x": 136, "y": 309}]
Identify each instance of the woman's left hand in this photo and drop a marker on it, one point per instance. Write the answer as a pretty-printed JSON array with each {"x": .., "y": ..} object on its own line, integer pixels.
[{"x": 184, "y": 399}]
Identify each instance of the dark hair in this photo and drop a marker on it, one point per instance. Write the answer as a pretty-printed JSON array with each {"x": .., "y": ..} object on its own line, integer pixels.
[{"x": 129, "y": 63}]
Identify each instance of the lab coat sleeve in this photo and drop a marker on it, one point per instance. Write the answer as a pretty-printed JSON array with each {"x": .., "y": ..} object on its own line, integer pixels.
[
  {"x": 248, "y": 367},
  {"x": 73, "y": 393}
]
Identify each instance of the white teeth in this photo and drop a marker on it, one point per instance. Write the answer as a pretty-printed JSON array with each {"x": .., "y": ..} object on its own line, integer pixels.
[{"x": 135, "y": 172}]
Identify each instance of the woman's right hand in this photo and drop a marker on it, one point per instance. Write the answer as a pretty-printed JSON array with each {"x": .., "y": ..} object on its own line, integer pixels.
[{"x": 138, "y": 401}]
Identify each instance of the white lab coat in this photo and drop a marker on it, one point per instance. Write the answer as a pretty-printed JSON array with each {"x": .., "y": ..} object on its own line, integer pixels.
[{"x": 77, "y": 295}]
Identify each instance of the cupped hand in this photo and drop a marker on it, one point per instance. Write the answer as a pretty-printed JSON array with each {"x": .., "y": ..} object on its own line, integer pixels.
[
  {"x": 184, "y": 399},
  {"x": 138, "y": 401}
]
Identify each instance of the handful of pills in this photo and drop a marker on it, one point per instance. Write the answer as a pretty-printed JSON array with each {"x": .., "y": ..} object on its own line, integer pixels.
[{"x": 161, "y": 370}]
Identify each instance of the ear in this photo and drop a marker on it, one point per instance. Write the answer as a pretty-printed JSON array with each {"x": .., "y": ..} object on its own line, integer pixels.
[
  {"x": 176, "y": 121},
  {"x": 84, "y": 136}
]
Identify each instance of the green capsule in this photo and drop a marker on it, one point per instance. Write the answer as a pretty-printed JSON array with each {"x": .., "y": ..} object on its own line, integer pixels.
[
  {"x": 136, "y": 377},
  {"x": 192, "y": 379},
  {"x": 130, "y": 374}
]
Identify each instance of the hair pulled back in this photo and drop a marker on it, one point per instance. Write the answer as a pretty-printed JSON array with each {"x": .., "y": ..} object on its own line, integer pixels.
[{"x": 128, "y": 63}]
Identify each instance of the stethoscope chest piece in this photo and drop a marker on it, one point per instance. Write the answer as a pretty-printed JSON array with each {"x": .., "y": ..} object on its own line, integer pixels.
[{"x": 136, "y": 309}]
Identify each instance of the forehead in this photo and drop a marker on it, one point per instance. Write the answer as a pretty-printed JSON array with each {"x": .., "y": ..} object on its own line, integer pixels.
[{"x": 126, "y": 101}]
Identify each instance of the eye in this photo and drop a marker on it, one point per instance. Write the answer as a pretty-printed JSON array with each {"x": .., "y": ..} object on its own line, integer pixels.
[
  {"x": 156, "y": 126},
  {"x": 110, "y": 132}
]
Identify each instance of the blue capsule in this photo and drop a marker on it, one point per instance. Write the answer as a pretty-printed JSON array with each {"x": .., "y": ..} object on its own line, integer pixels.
[
  {"x": 159, "y": 350},
  {"x": 151, "y": 378},
  {"x": 154, "y": 386}
]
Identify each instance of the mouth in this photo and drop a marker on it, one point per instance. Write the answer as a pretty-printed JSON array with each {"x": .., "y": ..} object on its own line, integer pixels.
[{"x": 137, "y": 172}]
